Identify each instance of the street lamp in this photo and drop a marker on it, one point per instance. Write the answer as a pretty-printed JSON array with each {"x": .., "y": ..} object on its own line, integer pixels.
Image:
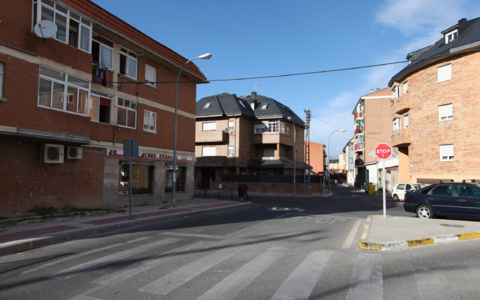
[
  {"x": 294, "y": 154},
  {"x": 328, "y": 149},
  {"x": 204, "y": 56}
]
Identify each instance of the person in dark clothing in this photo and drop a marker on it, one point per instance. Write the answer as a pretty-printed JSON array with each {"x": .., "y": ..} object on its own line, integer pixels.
[
  {"x": 241, "y": 191},
  {"x": 246, "y": 191}
]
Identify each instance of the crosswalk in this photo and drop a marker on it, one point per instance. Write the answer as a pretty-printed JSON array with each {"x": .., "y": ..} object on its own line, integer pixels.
[{"x": 194, "y": 259}]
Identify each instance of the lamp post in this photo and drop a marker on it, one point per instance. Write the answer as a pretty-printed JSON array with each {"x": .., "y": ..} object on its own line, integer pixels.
[
  {"x": 294, "y": 154},
  {"x": 328, "y": 149},
  {"x": 174, "y": 173}
]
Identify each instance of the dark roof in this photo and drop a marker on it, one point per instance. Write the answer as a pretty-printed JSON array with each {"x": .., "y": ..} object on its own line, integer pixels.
[
  {"x": 468, "y": 34},
  {"x": 230, "y": 105},
  {"x": 282, "y": 163}
]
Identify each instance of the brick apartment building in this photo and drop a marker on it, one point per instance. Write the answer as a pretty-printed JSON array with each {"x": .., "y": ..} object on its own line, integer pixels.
[
  {"x": 67, "y": 103},
  {"x": 435, "y": 108},
  {"x": 246, "y": 135},
  {"x": 371, "y": 115}
]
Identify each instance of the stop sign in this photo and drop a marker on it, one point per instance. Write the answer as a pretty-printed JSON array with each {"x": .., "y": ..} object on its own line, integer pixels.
[{"x": 383, "y": 151}]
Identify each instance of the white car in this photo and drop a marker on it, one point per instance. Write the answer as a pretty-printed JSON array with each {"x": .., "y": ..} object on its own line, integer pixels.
[{"x": 400, "y": 189}]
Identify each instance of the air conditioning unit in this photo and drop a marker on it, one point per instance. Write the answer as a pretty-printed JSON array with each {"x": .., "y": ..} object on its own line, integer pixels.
[
  {"x": 51, "y": 154},
  {"x": 73, "y": 152},
  {"x": 226, "y": 129}
]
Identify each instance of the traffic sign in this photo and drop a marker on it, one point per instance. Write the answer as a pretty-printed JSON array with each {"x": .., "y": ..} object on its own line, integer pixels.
[
  {"x": 320, "y": 174},
  {"x": 383, "y": 151}
]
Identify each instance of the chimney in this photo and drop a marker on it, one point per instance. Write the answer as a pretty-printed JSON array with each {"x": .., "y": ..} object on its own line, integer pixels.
[
  {"x": 373, "y": 90},
  {"x": 378, "y": 89},
  {"x": 462, "y": 20},
  {"x": 253, "y": 102},
  {"x": 254, "y": 94}
]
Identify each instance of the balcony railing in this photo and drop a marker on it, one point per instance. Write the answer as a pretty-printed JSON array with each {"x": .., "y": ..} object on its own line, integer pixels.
[
  {"x": 359, "y": 147},
  {"x": 400, "y": 105},
  {"x": 359, "y": 115},
  {"x": 358, "y": 130},
  {"x": 401, "y": 138},
  {"x": 211, "y": 136}
]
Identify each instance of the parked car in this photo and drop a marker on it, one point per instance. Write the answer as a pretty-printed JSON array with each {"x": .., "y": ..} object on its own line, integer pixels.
[
  {"x": 444, "y": 199},
  {"x": 400, "y": 189}
]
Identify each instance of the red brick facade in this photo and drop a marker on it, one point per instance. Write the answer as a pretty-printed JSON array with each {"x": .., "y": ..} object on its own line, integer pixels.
[{"x": 92, "y": 181}]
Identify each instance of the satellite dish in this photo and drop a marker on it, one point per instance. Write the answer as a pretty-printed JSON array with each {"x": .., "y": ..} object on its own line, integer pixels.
[{"x": 45, "y": 29}]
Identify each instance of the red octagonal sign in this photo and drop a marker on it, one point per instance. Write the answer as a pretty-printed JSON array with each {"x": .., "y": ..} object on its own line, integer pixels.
[{"x": 383, "y": 151}]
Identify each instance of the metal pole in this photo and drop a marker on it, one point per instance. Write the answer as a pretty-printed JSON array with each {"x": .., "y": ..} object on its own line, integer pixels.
[
  {"x": 384, "y": 197},
  {"x": 130, "y": 181}
]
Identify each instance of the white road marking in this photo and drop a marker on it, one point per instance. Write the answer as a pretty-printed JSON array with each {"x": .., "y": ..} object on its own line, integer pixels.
[
  {"x": 433, "y": 285},
  {"x": 80, "y": 255},
  {"x": 96, "y": 263},
  {"x": 351, "y": 235},
  {"x": 234, "y": 283},
  {"x": 169, "y": 282},
  {"x": 147, "y": 264},
  {"x": 301, "y": 282},
  {"x": 193, "y": 235},
  {"x": 367, "y": 280}
]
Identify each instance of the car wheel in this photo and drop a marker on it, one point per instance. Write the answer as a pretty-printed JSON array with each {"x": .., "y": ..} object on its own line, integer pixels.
[
  {"x": 425, "y": 212},
  {"x": 395, "y": 198}
]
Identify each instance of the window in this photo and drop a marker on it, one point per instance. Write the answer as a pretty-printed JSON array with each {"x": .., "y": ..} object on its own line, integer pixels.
[
  {"x": 444, "y": 73},
  {"x": 396, "y": 92},
  {"x": 443, "y": 190},
  {"x": 268, "y": 152},
  {"x": 149, "y": 121},
  {"x": 230, "y": 151},
  {"x": 102, "y": 55},
  {"x": 150, "y": 75},
  {"x": 72, "y": 29},
  {"x": 63, "y": 92},
  {"x": 207, "y": 105},
  {"x": 446, "y": 153},
  {"x": 445, "y": 112},
  {"x": 128, "y": 63},
  {"x": 142, "y": 180},
  {"x": 405, "y": 87},
  {"x": 288, "y": 130},
  {"x": 449, "y": 37},
  {"x": 1, "y": 80},
  {"x": 396, "y": 124},
  {"x": 209, "y": 151},
  {"x": 242, "y": 104},
  {"x": 264, "y": 106},
  {"x": 126, "y": 113},
  {"x": 231, "y": 126},
  {"x": 180, "y": 178},
  {"x": 100, "y": 109},
  {"x": 468, "y": 191},
  {"x": 273, "y": 126},
  {"x": 401, "y": 187},
  {"x": 259, "y": 128},
  {"x": 212, "y": 126},
  {"x": 405, "y": 120}
]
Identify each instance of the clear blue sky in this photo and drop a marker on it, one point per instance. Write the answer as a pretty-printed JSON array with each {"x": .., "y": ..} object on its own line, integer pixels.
[{"x": 259, "y": 38}]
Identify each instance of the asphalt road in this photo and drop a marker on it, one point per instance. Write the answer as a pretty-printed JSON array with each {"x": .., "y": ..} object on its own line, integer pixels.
[{"x": 282, "y": 248}]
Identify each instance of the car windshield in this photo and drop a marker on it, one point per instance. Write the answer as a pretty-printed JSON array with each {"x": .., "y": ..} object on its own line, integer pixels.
[{"x": 418, "y": 186}]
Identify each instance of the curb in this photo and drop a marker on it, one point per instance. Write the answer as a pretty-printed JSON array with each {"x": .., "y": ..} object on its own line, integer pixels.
[
  {"x": 42, "y": 241},
  {"x": 412, "y": 242}
]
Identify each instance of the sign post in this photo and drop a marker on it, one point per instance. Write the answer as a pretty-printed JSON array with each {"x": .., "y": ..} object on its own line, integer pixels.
[
  {"x": 130, "y": 149},
  {"x": 383, "y": 151}
]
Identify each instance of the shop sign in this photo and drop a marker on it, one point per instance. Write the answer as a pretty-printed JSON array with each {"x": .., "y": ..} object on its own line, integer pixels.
[{"x": 147, "y": 155}]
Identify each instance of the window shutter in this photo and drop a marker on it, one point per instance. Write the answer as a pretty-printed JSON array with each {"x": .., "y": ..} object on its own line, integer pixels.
[
  {"x": 406, "y": 121},
  {"x": 445, "y": 111},
  {"x": 446, "y": 150},
  {"x": 209, "y": 126},
  {"x": 445, "y": 73},
  {"x": 150, "y": 74},
  {"x": 268, "y": 153},
  {"x": 209, "y": 151}
]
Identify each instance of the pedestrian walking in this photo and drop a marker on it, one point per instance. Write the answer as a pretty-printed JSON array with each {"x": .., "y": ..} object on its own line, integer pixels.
[
  {"x": 241, "y": 191},
  {"x": 246, "y": 191}
]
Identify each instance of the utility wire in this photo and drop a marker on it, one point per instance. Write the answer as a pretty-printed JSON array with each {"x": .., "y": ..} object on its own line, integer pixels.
[{"x": 306, "y": 73}]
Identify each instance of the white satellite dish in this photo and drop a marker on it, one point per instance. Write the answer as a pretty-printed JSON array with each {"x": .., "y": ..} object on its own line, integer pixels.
[{"x": 45, "y": 29}]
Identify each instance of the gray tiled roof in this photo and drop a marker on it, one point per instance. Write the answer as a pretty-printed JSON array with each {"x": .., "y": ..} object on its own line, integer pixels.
[
  {"x": 468, "y": 34},
  {"x": 230, "y": 105}
]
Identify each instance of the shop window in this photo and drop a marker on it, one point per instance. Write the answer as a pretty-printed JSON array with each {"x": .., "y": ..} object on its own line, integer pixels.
[
  {"x": 180, "y": 178},
  {"x": 63, "y": 92},
  {"x": 142, "y": 180},
  {"x": 126, "y": 113}
]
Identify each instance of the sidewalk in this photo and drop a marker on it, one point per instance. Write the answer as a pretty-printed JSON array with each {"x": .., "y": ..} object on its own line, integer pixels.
[
  {"x": 392, "y": 233},
  {"x": 54, "y": 230}
]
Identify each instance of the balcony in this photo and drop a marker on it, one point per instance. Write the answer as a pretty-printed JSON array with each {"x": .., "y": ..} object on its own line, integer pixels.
[
  {"x": 359, "y": 163},
  {"x": 359, "y": 130},
  {"x": 401, "y": 138},
  {"x": 213, "y": 136},
  {"x": 273, "y": 138},
  {"x": 358, "y": 147},
  {"x": 400, "y": 105},
  {"x": 359, "y": 115}
]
